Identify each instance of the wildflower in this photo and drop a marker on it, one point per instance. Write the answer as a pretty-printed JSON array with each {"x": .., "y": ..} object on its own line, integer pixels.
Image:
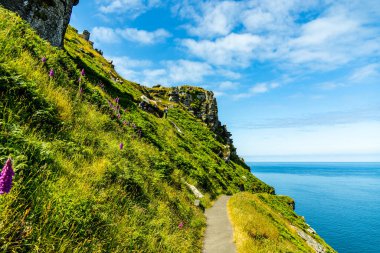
[
  {"x": 79, "y": 79},
  {"x": 81, "y": 90},
  {"x": 82, "y": 72},
  {"x": 118, "y": 116},
  {"x": 43, "y": 59},
  {"x": 6, "y": 177},
  {"x": 51, "y": 72},
  {"x": 180, "y": 225},
  {"x": 121, "y": 146},
  {"x": 117, "y": 100}
]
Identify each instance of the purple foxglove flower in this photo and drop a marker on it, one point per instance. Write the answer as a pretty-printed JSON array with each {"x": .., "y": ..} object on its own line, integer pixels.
[
  {"x": 117, "y": 100},
  {"x": 51, "y": 72},
  {"x": 43, "y": 59},
  {"x": 6, "y": 177},
  {"x": 82, "y": 72},
  {"x": 118, "y": 116},
  {"x": 121, "y": 146},
  {"x": 180, "y": 225}
]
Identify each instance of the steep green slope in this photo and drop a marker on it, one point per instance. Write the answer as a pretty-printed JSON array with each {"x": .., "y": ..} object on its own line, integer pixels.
[{"x": 75, "y": 190}]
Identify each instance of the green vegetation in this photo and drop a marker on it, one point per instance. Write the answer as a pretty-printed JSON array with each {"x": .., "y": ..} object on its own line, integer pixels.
[
  {"x": 74, "y": 189},
  {"x": 267, "y": 223}
]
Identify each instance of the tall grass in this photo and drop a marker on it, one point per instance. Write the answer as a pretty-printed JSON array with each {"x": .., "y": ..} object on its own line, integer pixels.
[
  {"x": 74, "y": 189},
  {"x": 264, "y": 223}
]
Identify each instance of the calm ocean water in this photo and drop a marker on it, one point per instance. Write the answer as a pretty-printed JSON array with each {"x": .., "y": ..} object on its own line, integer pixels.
[{"x": 341, "y": 201}]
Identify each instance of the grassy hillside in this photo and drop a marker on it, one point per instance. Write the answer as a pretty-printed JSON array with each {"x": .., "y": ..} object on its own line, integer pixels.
[
  {"x": 74, "y": 189},
  {"x": 267, "y": 223}
]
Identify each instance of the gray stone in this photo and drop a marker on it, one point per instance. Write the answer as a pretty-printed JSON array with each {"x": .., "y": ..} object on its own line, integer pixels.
[
  {"x": 195, "y": 191},
  {"x": 86, "y": 35},
  {"x": 49, "y": 18},
  {"x": 310, "y": 241}
]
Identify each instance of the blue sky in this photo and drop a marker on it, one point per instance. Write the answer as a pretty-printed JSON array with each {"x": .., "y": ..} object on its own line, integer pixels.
[{"x": 296, "y": 80}]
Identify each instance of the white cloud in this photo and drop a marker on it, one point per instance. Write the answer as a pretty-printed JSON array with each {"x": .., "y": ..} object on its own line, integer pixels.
[
  {"x": 133, "y": 8},
  {"x": 228, "y": 73},
  {"x": 126, "y": 62},
  {"x": 212, "y": 18},
  {"x": 168, "y": 73},
  {"x": 288, "y": 32},
  {"x": 188, "y": 71},
  {"x": 367, "y": 72},
  {"x": 330, "y": 85},
  {"x": 257, "y": 89},
  {"x": 142, "y": 36},
  {"x": 263, "y": 87},
  {"x": 232, "y": 50},
  {"x": 104, "y": 35},
  {"x": 110, "y": 35},
  {"x": 228, "y": 85}
]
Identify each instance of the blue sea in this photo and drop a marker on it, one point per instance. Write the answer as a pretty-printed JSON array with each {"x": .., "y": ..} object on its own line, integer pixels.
[{"x": 341, "y": 201}]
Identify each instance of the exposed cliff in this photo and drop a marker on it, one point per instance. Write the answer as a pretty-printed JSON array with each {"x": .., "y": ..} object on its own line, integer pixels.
[
  {"x": 48, "y": 17},
  {"x": 203, "y": 105}
]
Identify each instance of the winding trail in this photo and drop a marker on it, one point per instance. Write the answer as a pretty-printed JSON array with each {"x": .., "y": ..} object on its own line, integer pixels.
[{"x": 219, "y": 233}]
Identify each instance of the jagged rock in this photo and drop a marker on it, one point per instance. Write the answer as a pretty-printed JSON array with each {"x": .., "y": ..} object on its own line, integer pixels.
[
  {"x": 86, "y": 35},
  {"x": 48, "y": 17},
  {"x": 310, "y": 241},
  {"x": 176, "y": 127},
  {"x": 196, "y": 192}
]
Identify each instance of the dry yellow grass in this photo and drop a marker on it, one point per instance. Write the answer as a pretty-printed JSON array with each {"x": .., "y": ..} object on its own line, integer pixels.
[{"x": 258, "y": 228}]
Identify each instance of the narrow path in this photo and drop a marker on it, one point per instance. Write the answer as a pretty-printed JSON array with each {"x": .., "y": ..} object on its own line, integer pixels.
[{"x": 219, "y": 233}]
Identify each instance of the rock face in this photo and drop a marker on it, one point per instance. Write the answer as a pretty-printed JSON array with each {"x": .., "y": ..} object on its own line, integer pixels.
[
  {"x": 310, "y": 241},
  {"x": 202, "y": 104},
  {"x": 48, "y": 17}
]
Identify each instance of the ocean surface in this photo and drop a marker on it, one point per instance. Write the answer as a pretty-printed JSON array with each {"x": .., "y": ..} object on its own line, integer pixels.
[{"x": 341, "y": 201}]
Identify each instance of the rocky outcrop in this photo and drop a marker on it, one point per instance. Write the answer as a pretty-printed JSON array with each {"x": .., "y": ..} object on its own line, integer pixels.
[
  {"x": 310, "y": 241},
  {"x": 202, "y": 104},
  {"x": 49, "y": 18}
]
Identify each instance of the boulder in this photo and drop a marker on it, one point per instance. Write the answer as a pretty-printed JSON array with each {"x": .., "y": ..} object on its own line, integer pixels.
[{"x": 49, "y": 18}]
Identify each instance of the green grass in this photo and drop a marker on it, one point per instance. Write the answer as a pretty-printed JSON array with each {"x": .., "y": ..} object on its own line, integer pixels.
[
  {"x": 74, "y": 190},
  {"x": 265, "y": 223}
]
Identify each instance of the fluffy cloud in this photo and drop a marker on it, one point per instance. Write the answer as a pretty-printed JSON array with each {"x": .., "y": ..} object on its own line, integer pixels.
[
  {"x": 133, "y": 8},
  {"x": 257, "y": 89},
  {"x": 168, "y": 73},
  {"x": 263, "y": 87},
  {"x": 142, "y": 36},
  {"x": 313, "y": 35},
  {"x": 104, "y": 35},
  {"x": 231, "y": 50},
  {"x": 211, "y": 18},
  {"x": 109, "y": 35},
  {"x": 188, "y": 71}
]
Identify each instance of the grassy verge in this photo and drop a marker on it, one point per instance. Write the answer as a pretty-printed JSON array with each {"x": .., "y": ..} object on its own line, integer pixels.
[{"x": 267, "y": 223}]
